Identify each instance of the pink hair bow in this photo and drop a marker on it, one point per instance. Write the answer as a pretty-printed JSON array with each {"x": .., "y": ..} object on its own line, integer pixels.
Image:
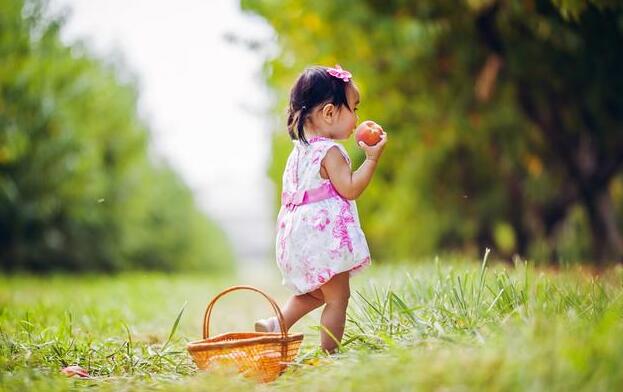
[{"x": 340, "y": 73}]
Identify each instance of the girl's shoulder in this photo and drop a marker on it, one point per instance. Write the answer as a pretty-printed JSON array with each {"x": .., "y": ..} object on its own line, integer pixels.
[
  {"x": 315, "y": 150},
  {"x": 322, "y": 147},
  {"x": 323, "y": 143}
]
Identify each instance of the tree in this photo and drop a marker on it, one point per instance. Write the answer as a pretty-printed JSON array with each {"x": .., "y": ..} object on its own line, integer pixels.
[
  {"x": 78, "y": 188},
  {"x": 505, "y": 117}
]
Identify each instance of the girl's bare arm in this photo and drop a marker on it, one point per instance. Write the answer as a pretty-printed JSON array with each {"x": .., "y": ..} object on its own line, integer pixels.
[{"x": 347, "y": 183}]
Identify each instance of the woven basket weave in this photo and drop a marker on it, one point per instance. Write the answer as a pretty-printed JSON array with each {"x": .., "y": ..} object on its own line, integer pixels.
[{"x": 259, "y": 355}]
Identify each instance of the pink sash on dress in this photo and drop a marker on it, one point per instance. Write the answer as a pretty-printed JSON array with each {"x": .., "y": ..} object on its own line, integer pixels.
[{"x": 292, "y": 199}]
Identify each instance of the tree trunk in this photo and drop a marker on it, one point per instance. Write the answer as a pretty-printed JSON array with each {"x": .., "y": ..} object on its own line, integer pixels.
[
  {"x": 517, "y": 214},
  {"x": 607, "y": 241}
]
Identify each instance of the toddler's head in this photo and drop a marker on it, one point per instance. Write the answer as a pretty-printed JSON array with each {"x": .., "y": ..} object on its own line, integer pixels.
[{"x": 327, "y": 96}]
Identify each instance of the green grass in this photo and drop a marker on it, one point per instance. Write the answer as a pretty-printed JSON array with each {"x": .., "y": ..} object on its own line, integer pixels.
[{"x": 436, "y": 325}]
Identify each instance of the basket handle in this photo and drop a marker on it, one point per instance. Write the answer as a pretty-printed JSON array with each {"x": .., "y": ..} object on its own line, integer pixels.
[{"x": 206, "y": 317}]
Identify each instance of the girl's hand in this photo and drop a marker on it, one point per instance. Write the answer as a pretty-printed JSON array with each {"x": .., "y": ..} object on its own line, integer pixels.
[{"x": 373, "y": 153}]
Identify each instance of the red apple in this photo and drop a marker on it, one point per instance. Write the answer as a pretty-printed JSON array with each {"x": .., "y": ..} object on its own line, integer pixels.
[{"x": 369, "y": 132}]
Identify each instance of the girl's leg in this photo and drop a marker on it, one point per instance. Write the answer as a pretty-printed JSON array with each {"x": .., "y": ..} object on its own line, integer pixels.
[
  {"x": 336, "y": 293},
  {"x": 299, "y": 305}
]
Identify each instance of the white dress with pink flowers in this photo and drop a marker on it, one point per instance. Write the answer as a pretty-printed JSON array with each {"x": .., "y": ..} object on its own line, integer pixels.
[{"x": 320, "y": 239}]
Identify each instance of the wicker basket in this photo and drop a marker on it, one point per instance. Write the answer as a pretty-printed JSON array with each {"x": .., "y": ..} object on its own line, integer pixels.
[{"x": 259, "y": 355}]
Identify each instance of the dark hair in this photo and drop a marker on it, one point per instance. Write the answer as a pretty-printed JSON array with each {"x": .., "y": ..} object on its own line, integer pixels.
[{"x": 313, "y": 87}]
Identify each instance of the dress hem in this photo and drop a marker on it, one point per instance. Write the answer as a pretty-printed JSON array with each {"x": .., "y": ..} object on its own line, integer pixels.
[{"x": 365, "y": 262}]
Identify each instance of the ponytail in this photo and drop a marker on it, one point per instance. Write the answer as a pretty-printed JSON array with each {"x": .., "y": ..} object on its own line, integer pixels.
[{"x": 296, "y": 123}]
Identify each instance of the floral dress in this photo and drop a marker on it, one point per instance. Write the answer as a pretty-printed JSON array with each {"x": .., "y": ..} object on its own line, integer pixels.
[{"x": 322, "y": 238}]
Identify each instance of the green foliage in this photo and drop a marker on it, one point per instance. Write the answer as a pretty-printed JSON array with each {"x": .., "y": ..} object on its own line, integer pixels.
[
  {"x": 78, "y": 188},
  {"x": 503, "y": 118}
]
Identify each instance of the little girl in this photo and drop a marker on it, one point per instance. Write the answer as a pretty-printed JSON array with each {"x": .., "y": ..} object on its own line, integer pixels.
[{"x": 320, "y": 243}]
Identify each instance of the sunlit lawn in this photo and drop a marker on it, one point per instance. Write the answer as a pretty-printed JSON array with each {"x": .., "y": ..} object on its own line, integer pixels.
[{"x": 446, "y": 325}]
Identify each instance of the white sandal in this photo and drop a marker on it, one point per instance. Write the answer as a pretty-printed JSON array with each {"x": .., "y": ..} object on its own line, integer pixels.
[{"x": 267, "y": 325}]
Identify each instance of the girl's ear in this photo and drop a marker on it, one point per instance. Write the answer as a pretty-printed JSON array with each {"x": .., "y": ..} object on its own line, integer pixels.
[{"x": 328, "y": 112}]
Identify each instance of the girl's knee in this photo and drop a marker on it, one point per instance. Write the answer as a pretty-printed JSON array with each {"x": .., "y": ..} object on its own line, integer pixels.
[
  {"x": 337, "y": 289},
  {"x": 337, "y": 298}
]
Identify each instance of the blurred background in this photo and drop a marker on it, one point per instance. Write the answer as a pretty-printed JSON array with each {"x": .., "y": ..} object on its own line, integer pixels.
[{"x": 146, "y": 135}]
